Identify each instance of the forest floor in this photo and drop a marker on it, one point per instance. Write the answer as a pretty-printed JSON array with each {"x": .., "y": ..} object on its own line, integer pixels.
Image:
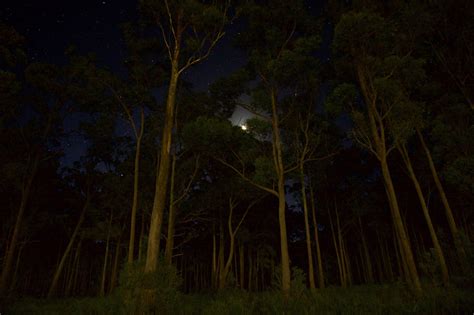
[{"x": 366, "y": 299}]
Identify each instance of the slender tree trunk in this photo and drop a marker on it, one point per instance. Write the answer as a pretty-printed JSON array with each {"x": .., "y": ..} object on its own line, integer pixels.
[
  {"x": 279, "y": 168},
  {"x": 171, "y": 216},
  {"x": 232, "y": 233},
  {"x": 136, "y": 175},
  {"x": 162, "y": 177},
  {"x": 316, "y": 239},
  {"x": 76, "y": 272},
  {"x": 347, "y": 263},
  {"x": 242, "y": 265},
  {"x": 17, "y": 267},
  {"x": 250, "y": 271},
  {"x": 307, "y": 230},
  {"x": 59, "y": 269},
  {"x": 378, "y": 140},
  {"x": 214, "y": 258},
  {"x": 449, "y": 213},
  {"x": 70, "y": 283},
  {"x": 106, "y": 258},
  {"x": 338, "y": 256},
  {"x": 368, "y": 263},
  {"x": 11, "y": 250},
  {"x": 113, "y": 276},
  {"x": 220, "y": 257},
  {"x": 404, "y": 242},
  {"x": 426, "y": 214},
  {"x": 141, "y": 240}
]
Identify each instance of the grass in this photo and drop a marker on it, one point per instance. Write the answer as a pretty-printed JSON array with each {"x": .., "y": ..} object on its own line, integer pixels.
[{"x": 367, "y": 299}]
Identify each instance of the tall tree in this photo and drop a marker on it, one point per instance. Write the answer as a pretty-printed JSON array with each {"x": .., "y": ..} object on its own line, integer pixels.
[
  {"x": 277, "y": 56},
  {"x": 373, "y": 64},
  {"x": 190, "y": 30}
]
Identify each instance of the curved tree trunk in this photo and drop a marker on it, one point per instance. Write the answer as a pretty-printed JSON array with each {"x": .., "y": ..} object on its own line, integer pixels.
[
  {"x": 406, "y": 251},
  {"x": 426, "y": 214},
  {"x": 449, "y": 213}
]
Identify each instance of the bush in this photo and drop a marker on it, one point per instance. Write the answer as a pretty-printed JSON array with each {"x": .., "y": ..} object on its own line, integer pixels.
[{"x": 156, "y": 292}]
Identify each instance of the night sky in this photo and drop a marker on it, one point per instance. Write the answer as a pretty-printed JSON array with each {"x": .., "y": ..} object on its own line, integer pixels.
[{"x": 93, "y": 26}]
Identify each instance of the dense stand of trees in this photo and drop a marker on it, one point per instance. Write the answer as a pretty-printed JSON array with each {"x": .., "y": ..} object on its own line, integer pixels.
[{"x": 357, "y": 167}]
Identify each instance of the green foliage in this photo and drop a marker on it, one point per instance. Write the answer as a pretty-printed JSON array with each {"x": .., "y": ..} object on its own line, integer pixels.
[
  {"x": 264, "y": 170},
  {"x": 342, "y": 96},
  {"x": 429, "y": 266},
  {"x": 143, "y": 292},
  {"x": 208, "y": 134},
  {"x": 368, "y": 299}
]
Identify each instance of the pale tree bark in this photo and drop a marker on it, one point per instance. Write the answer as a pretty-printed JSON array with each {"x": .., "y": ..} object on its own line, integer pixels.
[
  {"x": 75, "y": 264},
  {"x": 113, "y": 276},
  {"x": 424, "y": 207},
  {"x": 59, "y": 269},
  {"x": 242, "y": 265},
  {"x": 173, "y": 42},
  {"x": 173, "y": 202},
  {"x": 106, "y": 258},
  {"x": 171, "y": 215},
  {"x": 376, "y": 142},
  {"x": 232, "y": 233},
  {"x": 136, "y": 175},
  {"x": 280, "y": 172},
  {"x": 162, "y": 177},
  {"x": 316, "y": 239},
  {"x": 277, "y": 155},
  {"x": 448, "y": 211},
  {"x": 312, "y": 285},
  {"x": 366, "y": 255}
]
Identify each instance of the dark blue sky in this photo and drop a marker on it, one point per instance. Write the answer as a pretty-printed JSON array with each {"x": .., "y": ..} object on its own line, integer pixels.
[{"x": 50, "y": 26}]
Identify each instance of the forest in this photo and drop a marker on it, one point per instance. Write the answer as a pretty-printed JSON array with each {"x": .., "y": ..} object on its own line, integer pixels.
[{"x": 331, "y": 173}]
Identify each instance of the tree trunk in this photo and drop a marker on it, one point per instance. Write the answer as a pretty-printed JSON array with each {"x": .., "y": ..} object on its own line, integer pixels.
[
  {"x": 136, "y": 174},
  {"x": 406, "y": 250},
  {"x": 11, "y": 249},
  {"x": 338, "y": 256},
  {"x": 368, "y": 263},
  {"x": 242, "y": 265},
  {"x": 113, "y": 276},
  {"x": 316, "y": 239},
  {"x": 312, "y": 285},
  {"x": 171, "y": 216},
  {"x": 449, "y": 213},
  {"x": 142, "y": 233},
  {"x": 279, "y": 168},
  {"x": 60, "y": 267},
  {"x": 214, "y": 258},
  {"x": 17, "y": 267},
  {"x": 162, "y": 177},
  {"x": 426, "y": 214},
  {"x": 378, "y": 142},
  {"x": 70, "y": 283},
  {"x": 106, "y": 258}
]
